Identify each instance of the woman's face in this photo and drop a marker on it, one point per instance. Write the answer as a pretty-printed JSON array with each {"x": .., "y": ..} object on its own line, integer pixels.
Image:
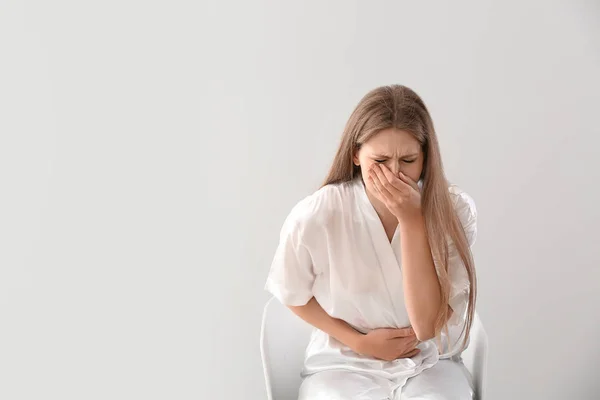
[{"x": 396, "y": 149}]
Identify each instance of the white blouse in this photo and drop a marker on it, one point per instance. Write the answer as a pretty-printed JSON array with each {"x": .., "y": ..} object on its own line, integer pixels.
[{"x": 333, "y": 246}]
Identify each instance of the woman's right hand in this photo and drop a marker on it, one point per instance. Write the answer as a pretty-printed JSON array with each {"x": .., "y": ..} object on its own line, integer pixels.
[
  {"x": 385, "y": 343},
  {"x": 389, "y": 344}
]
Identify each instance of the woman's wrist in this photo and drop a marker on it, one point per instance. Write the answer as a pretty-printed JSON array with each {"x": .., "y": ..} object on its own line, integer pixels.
[
  {"x": 356, "y": 342},
  {"x": 409, "y": 223},
  {"x": 349, "y": 336}
]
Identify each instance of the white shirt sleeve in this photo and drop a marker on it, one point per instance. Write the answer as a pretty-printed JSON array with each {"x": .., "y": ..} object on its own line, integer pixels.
[
  {"x": 292, "y": 275},
  {"x": 459, "y": 280},
  {"x": 459, "y": 292}
]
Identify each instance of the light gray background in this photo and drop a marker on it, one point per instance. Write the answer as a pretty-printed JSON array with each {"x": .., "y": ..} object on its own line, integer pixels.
[{"x": 149, "y": 152}]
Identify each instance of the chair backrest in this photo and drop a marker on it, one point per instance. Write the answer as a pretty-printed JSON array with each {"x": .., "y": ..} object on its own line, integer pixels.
[
  {"x": 284, "y": 337},
  {"x": 283, "y": 341},
  {"x": 475, "y": 356}
]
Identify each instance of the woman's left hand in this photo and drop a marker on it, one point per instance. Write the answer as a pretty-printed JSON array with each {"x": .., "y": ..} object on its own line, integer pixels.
[{"x": 401, "y": 195}]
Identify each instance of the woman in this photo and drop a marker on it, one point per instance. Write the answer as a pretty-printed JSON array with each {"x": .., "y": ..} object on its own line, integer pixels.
[{"x": 378, "y": 260}]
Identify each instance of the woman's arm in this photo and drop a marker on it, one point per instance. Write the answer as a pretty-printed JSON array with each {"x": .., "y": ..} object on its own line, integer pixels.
[
  {"x": 401, "y": 195},
  {"x": 314, "y": 314},
  {"x": 420, "y": 281},
  {"x": 385, "y": 344}
]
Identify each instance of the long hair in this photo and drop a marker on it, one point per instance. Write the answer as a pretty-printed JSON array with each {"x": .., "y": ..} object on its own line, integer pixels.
[{"x": 397, "y": 106}]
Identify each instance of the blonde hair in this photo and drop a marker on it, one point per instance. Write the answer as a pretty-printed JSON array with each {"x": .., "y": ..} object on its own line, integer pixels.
[{"x": 397, "y": 106}]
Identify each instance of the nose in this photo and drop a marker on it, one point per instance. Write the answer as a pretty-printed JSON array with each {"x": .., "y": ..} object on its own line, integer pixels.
[{"x": 395, "y": 168}]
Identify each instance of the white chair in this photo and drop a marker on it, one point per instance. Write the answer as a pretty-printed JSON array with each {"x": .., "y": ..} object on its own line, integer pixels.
[{"x": 284, "y": 337}]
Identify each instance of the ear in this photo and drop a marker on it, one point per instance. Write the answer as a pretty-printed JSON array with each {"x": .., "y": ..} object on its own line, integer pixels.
[{"x": 355, "y": 158}]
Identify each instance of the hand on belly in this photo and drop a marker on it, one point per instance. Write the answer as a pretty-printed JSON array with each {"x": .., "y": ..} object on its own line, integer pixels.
[{"x": 389, "y": 344}]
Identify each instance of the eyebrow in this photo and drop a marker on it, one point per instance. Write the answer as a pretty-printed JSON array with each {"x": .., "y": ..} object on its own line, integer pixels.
[{"x": 387, "y": 156}]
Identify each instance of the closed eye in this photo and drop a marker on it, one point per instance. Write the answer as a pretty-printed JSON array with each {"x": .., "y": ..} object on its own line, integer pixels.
[{"x": 407, "y": 161}]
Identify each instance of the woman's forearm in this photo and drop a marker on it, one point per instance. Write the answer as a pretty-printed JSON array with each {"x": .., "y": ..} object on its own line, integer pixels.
[
  {"x": 314, "y": 314},
  {"x": 420, "y": 281}
]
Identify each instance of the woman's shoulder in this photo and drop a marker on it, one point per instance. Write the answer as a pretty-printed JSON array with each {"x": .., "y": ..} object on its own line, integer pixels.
[
  {"x": 465, "y": 208},
  {"x": 462, "y": 200},
  {"x": 318, "y": 207}
]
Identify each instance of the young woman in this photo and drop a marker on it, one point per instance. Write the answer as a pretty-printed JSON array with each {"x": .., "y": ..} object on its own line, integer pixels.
[{"x": 378, "y": 260}]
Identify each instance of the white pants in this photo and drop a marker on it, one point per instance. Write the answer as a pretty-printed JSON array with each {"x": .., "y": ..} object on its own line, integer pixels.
[{"x": 446, "y": 380}]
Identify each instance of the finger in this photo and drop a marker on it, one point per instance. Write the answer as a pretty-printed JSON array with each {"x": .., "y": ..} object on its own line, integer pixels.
[
  {"x": 389, "y": 332},
  {"x": 411, "y": 353},
  {"x": 403, "y": 332},
  {"x": 378, "y": 185},
  {"x": 375, "y": 189},
  {"x": 407, "y": 180},
  {"x": 384, "y": 182},
  {"x": 414, "y": 343},
  {"x": 397, "y": 184},
  {"x": 406, "y": 343}
]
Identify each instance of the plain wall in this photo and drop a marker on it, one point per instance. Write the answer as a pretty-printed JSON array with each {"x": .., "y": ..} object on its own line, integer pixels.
[{"x": 149, "y": 152}]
